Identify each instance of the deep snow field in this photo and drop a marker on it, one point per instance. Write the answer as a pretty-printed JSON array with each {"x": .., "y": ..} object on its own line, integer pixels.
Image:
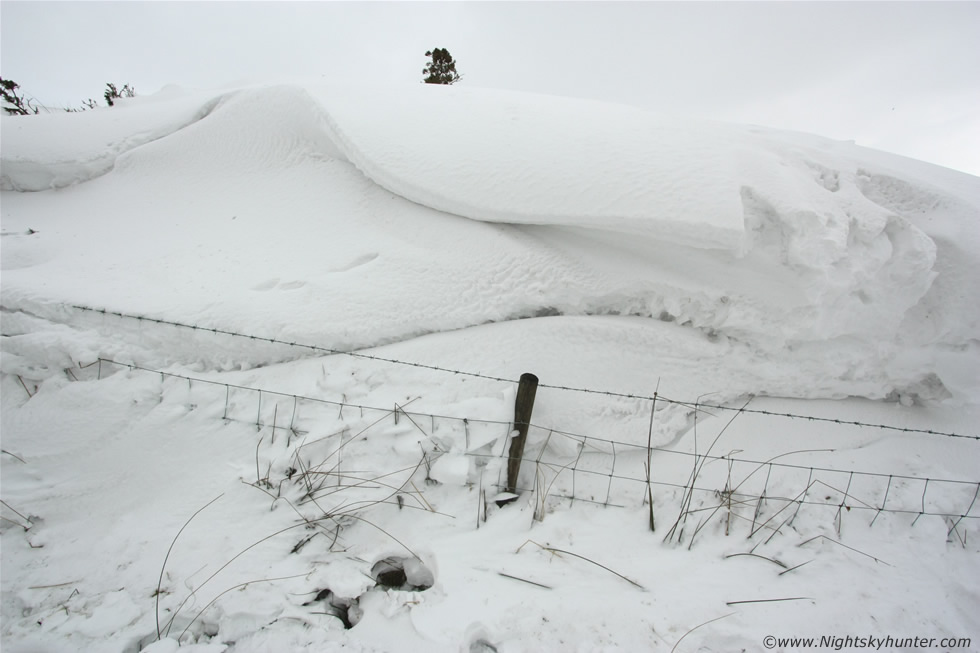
[{"x": 194, "y": 459}]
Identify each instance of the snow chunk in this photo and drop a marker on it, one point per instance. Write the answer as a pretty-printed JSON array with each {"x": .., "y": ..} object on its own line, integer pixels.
[{"x": 451, "y": 469}]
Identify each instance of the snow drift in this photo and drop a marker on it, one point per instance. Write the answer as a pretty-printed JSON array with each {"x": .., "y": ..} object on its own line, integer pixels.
[{"x": 792, "y": 245}]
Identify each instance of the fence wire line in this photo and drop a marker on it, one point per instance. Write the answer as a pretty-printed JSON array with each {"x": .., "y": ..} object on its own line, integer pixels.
[
  {"x": 739, "y": 498},
  {"x": 695, "y": 405},
  {"x": 728, "y": 497},
  {"x": 581, "y": 439},
  {"x": 643, "y": 447},
  {"x": 288, "y": 395}
]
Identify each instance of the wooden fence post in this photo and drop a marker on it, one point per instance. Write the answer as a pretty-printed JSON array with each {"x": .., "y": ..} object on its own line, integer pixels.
[{"x": 526, "y": 390}]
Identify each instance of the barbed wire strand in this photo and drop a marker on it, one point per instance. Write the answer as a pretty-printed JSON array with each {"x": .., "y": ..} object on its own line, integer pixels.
[
  {"x": 611, "y": 474},
  {"x": 579, "y": 438},
  {"x": 658, "y": 397}
]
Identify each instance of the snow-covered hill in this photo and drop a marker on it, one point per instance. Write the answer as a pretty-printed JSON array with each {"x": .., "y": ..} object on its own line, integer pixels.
[{"x": 488, "y": 233}]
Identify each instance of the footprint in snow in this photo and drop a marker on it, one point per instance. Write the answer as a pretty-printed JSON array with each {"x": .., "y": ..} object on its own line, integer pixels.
[
  {"x": 274, "y": 283},
  {"x": 357, "y": 262}
]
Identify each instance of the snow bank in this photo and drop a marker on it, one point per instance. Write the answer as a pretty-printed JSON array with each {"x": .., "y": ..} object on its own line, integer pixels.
[
  {"x": 253, "y": 217},
  {"x": 527, "y": 159}
]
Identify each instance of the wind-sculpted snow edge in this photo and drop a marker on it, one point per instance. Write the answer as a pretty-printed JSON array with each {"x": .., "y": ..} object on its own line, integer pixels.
[{"x": 28, "y": 167}]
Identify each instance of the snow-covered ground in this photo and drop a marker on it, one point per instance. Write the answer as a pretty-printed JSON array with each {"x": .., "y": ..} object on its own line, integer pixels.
[{"x": 181, "y": 272}]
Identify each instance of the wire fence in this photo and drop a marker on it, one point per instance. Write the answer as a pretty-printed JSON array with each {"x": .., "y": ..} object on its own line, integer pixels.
[
  {"x": 564, "y": 467},
  {"x": 694, "y": 405}
]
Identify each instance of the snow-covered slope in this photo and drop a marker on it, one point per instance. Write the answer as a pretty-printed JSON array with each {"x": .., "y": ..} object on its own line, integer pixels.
[
  {"x": 598, "y": 246},
  {"x": 574, "y": 207}
]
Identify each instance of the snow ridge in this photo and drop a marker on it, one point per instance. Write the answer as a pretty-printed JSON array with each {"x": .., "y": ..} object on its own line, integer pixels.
[{"x": 526, "y": 159}]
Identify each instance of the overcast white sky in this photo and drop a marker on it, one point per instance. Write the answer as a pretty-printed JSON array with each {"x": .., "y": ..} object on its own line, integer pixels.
[{"x": 902, "y": 77}]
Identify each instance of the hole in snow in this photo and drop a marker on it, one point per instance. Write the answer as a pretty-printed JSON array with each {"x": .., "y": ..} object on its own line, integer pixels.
[
  {"x": 346, "y": 610},
  {"x": 407, "y": 574}
]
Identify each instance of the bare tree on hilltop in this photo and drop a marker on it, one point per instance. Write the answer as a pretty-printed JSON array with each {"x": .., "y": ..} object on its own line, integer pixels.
[{"x": 442, "y": 68}]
